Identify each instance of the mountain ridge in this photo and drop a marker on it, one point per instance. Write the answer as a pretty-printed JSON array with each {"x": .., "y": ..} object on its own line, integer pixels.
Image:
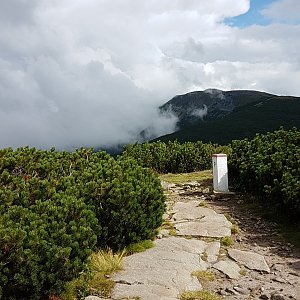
[{"x": 220, "y": 116}]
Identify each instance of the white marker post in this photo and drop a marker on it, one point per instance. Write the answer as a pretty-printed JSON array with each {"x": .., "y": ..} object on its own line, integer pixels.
[{"x": 220, "y": 173}]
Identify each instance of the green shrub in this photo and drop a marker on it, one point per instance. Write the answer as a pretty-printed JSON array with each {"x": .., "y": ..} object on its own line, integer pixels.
[
  {"x": 131, "y": 205},
  {"x": 269, "y": 165},
  {"x": 174, "y": 157},
  {"x": 44, "y": 246},
  {"x": 56, "y": 207}
]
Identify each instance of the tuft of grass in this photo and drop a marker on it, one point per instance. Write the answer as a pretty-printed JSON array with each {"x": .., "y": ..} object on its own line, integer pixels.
[
  {"x": 202, "y": 204},
  {"x": 222, "y": 254},
  {"x": 204, "y": 256},
  {"x": 199, "y": 295},
  {"x": 107, "y": 262},
  {"x": 204, "y": 276},
  {"x": 230, "y": 218},
  {"x": 172, "y": 232},
  {"x": 100, "y": 285},
  {"x": 167, "y": 224},
  {"x": 139, "y": 247},
  {"x": 226, "y": 241},
  {"x": 97, "y": 281},
  {"x": 203, "y": 177},
  {"x": 77, "y": 288},
  {"x": 243, "y": 271},
  {"x": 235, "y": 229}
]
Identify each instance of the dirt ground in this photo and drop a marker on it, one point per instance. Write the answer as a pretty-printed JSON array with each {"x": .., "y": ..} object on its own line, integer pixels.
[{"x": 258, "y": 235}]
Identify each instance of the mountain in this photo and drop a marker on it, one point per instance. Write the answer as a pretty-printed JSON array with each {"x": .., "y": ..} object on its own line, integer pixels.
[{"x": 221, "y": 116}]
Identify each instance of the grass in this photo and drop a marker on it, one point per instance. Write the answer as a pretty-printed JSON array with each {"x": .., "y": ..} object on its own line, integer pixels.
[
  {"x": 230, "y": 218},
  {"x": 167, "y": 225},
  {"x": 172, "y": 232},
  {"x": 204, "y": 256},
  {"x": 107, "y": 262},
  {"x": 235, "y": 229},
  {"x": 204, "y": 276},
  {"x": 222, "y": 254},
  {"x": 97, "y": 282},
  {"x": 226, "y": 241},
  {"x": 203, "y": 177},
  {"x": 243, "y": 271},
  {"x": 100, "y": 285},
  {"x": 199, "y": 295},
  {"x": 139, "y": 247}
]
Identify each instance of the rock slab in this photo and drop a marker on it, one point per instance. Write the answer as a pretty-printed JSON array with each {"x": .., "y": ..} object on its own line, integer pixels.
[
  {"x": 249, "y": 259},
  {"x": 212, "y": 251},
  {"x": 215, "y": 226},
  {"x": 185, "y": 211},
  {"x": 162, "y": 272},
  {"x": 229, "y": 268},
  {"x": 194, "y": 220}
]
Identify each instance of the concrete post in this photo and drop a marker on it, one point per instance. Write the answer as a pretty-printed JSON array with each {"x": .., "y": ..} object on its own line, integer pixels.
[{"x": 220, "y": 173}]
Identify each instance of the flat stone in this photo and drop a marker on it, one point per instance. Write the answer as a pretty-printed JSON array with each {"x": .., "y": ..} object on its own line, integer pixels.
[
  {"x": 164, "y": 232},
  {"x": 162, "y": 271},
  {"x": 249, "y": 259},
  {"x": 279, "y": 279},
  {"x": 241, "y": 290},
  {"x": 145, "y": 293},
  {"x": 192, "y": 184},
  {"x": 215, "y": 226},
  {"x": 212, "y": 251},
  {"x": 185, "y": 211},
  {"x": 229, "y": 268},
  {"x": 93, "y": 298},
  {"x": 166, "y": 185}
]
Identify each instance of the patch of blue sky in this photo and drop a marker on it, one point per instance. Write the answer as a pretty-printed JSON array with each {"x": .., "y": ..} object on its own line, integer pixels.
[{"x": 252, "y": 17}]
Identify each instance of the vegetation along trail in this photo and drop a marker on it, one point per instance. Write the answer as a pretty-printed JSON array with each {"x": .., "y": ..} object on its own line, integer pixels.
[{"x": 239, "y": 255}]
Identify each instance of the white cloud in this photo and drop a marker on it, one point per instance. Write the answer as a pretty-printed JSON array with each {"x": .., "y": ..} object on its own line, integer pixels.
[
  {"x": 283, "y": 10},
  {"x": 93, "y": 72}
]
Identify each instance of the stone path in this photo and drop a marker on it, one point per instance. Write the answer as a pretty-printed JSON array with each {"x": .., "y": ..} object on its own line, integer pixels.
[{"x": 242, "y": 271}]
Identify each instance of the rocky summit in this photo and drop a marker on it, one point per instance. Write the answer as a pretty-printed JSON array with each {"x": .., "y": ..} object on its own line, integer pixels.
[{"x": 221, "y": 116}]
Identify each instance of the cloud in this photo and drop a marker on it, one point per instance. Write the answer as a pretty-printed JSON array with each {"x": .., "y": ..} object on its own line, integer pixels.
[
  {"x": 17, "y": 12},
  {"x": 94, "y": 72},
  {"x": 283, "y": 10},
  {"x": 200, "y": 113}
]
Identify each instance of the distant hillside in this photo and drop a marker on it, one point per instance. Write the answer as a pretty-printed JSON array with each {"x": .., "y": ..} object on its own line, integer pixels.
[{"x": 219, "y": 116}]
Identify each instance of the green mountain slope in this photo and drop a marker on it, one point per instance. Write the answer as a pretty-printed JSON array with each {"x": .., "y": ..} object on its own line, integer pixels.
[{"x": 253, "y": 112}]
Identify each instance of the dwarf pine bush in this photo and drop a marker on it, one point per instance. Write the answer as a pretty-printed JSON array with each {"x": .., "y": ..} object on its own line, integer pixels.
[{"x": 57, "y": 207}]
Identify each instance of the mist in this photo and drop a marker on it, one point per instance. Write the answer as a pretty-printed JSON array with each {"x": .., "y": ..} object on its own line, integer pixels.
[{"x": 93, "y": 73}]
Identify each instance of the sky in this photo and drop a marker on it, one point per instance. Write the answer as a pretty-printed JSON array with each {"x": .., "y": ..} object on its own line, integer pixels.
[{"x": 93, "y": 72}]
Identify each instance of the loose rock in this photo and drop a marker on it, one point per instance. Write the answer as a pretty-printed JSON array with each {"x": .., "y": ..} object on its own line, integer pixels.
[
  {"x": 277, "y": 297},
  {"x": 93, "y": 298},
  {"x": 264, "y": 297},
  {"x": 249, "y": 259},
  {"x": 229, "y": 268},
  {"x": 212, "y": 251},
  {"x": 241, "y": 290}
]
